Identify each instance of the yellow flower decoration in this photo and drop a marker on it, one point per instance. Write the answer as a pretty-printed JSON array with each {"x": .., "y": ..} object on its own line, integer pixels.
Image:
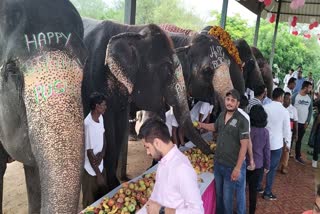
[{"x": 226, "y": 41}]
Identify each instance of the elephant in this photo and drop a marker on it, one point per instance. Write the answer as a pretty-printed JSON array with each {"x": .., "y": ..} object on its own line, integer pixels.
[
  {"x": 41, "y": 118},
  {"x": 133, "y": 64},
  {"x": 251, "y": 71},
  {"x": 266, "y": 70},
  {"x": 3, "y": 166},
  {"x": 205, "y": 77}
]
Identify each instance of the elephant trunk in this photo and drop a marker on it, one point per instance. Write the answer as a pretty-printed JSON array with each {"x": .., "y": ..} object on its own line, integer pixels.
[
  {"x": 55, "y": 120},
  {"x": 222, "y": 82},
  {"x": 176, "y": 96}
]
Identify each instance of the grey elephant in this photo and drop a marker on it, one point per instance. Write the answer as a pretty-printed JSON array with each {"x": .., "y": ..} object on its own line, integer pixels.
[
  {"x": 137, "y": 66},
  {"x": 41, "y": 117}
]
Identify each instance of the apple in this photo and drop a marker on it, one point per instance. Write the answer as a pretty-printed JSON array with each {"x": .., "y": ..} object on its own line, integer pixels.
[
  {"x": 131, "y": 186},
  {"x": 128, "y": 192},
  {"x": 111, "y": 202},
  {"x": 131, "y": 207}
]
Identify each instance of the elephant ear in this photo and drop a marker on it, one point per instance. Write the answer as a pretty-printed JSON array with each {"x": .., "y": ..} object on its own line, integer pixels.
[{"x": 122, "y": 58}]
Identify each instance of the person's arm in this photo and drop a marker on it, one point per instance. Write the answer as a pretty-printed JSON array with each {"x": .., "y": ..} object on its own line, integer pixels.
[
  {"x": 101, "y": 154},
  {"x": 266, "y": 153},
  {"x": 207, "y": 126},
  {"x": 250, "y": 153},
  {"x": 286, "y": 128},
  {"x": 242, "y": 153},
  {"x": 309, "y": 113}
]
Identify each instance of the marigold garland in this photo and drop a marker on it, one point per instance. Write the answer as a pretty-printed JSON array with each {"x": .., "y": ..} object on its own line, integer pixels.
[{"x": 226, "y": 41}]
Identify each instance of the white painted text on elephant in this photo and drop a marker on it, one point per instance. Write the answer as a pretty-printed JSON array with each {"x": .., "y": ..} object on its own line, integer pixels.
[
  {"x": 41, "y": 39},
  {"x": 53, "y": 89},
  {"x": 218, "y": 57}
]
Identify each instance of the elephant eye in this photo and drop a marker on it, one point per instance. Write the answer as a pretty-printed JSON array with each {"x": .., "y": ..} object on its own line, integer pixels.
[{"x": 207, "y": 71}]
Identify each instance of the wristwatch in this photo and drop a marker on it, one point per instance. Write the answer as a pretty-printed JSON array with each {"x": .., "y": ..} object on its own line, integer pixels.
[{"x": 162, "y": 210}]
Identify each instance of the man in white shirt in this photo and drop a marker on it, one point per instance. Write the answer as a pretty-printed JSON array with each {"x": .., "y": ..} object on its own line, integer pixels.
[
  {"x": 275, "y": 81},
  {"x": 176, "y": 189},
  {"x": 290, "y": 86},
  {"x": 201, "y": 111},
  {"x": 294, "y": 130},
  {"x": 303, "y": 103},
  {"x": 287, "y": 77},
  {"x": 93, "y": 179},
  {"x": 172, "y": 125},
  {"x": 280, "y": 136}
]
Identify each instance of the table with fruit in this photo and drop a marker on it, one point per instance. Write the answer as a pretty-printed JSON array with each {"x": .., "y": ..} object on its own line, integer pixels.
[{"x": 130, "y": 196}]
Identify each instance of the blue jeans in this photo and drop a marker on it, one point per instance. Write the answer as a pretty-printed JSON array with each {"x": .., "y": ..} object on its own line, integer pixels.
[
  {"x": 274, "y": 162},
  {"x": 241, "y": 190},
  {"x": 224, "y": 188}
]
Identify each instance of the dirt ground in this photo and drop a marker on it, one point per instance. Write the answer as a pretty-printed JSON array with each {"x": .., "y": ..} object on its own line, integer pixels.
[{"x": 15, "y": 193}]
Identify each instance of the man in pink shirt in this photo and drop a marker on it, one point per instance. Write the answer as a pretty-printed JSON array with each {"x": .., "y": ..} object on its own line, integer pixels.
[{"x": 176, "y": 189}]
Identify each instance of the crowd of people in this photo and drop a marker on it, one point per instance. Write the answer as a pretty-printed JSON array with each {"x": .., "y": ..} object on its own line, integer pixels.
[{"x": 255, "y": 138}]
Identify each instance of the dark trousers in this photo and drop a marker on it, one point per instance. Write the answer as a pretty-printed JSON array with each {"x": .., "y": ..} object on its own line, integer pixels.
[
  {"x": 90, "y": 188},
  {"x": 252, "y": 181},
  {"x": 301, "y": 132},
  {"x": 316, "y": 145}
]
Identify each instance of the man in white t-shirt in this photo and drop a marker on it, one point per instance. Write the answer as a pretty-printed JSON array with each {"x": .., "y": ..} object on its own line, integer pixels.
[
  {"x": 290, "y": 86},
  {"x": 201, "y": 111},
  {"x": 94, "y": 179},
  {"x": 172, "y": 125},
  {"x": 276, "y": 81},
  {"x": 294, "y": 129},
  {"x": 287, "y": 77},
  {"x": 303, "y": 103}
]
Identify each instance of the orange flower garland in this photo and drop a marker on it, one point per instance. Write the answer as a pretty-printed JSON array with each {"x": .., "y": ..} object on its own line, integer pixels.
[{"x": 226, "y": 41}]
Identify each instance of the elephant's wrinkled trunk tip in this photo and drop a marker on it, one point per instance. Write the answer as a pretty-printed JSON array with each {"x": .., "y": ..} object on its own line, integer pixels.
[{"x": 118, "y": 71}]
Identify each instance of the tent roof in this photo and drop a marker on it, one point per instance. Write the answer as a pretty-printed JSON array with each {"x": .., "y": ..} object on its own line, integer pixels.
[{"x": 311, "y": 10}]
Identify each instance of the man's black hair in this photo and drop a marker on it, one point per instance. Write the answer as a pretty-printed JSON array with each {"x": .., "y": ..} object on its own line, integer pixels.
[
  {"x": 287, "y": 94},
  {"x": 154, "y": 128},
  {"x": 258, "y": 116},
  {"x": 305, "y": 84},
  {"x": 277, "y": 92},
  {"x": 244, "y": 102},
  {"x": 96, "y": 98},
  {"x": 291, "y": 69},
  {"x": 259, "y": 90},
  {"x": 291, "y": 80}
]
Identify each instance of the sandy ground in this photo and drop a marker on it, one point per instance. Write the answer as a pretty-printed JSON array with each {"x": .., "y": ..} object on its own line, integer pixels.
[{"x": 15, "y": 194}]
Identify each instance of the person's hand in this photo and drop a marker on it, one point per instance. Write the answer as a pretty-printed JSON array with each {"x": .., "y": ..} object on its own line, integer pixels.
[
  {"x": 252, "y": 165},
  {"x": 235, "y": 174},
  {"x": 295, "y": 137},
  {"x": 306, "y": 125},
  {"x": 286, "y": 148},
  {"x": 153, "y": 207},
  {"x": 99, "y": 157},
  {"x": 100, "y": 180},
  {"x": 266, "y": 171}
]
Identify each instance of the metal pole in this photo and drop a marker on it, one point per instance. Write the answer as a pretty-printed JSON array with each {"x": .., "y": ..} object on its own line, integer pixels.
[
  {"x": 256, "y": 33},
  {"x": 275, "y": 33},
  {"x": 130, "y": 12},
  {"x": 224, "y": 12}
]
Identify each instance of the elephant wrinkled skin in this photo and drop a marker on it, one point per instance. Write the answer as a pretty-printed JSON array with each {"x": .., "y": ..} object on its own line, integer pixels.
[{"x": 41, "y": 119}]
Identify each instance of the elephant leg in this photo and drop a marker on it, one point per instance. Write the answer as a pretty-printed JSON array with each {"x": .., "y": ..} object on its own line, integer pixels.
[
  {"x": 3, "y": 166},
  {"x": 33, "y": 188}
]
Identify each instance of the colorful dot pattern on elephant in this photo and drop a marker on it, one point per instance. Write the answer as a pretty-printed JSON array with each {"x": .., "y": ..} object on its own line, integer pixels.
[
  {"x": 52, "y": 96},
  {"x": 222, "y": 80}
]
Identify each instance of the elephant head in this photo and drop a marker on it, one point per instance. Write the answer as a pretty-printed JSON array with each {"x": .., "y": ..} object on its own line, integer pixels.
[
  {"x": 265, "y": 69},
  {"x": 41, "y": 120},
  {"x": 251, "y": 71},
  {"x": 208, "y": 69},
  {"x": 147, "y": 66}
]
